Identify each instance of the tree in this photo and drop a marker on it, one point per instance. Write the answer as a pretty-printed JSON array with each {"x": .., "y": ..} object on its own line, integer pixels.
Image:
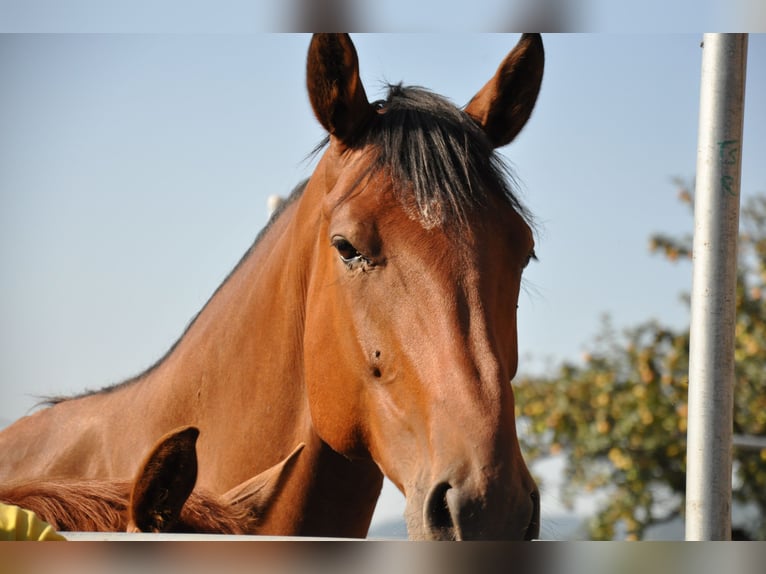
[{"x": 620, "y": 417}]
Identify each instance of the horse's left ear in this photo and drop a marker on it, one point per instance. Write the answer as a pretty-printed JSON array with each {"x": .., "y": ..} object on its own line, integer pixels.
[
  {"x": 335, "y": 89},
  {"x": 504, "y": 104},
  {"x": 164, "y": 482},
  {"x": 259, "y": 493}
]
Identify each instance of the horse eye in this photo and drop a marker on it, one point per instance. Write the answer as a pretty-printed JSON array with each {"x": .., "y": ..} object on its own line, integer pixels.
[
  {"x": 347, "y": 252},
  {"x": 531, "y": 257}
]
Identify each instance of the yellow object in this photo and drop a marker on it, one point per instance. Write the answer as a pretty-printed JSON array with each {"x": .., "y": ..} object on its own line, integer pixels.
[{"x": 19, "y": 524}]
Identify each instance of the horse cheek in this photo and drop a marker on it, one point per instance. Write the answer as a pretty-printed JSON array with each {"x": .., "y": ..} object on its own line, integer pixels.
[{"x": 334, "y": 396}]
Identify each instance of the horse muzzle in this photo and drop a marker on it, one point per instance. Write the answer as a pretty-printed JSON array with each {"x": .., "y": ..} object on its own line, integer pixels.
[{"x": 459, "y": 512}]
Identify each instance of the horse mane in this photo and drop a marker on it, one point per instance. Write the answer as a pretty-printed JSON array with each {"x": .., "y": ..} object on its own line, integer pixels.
[
  {"x": 205, "y": 513},
  {"x": 439, "y": 157},
  {"x": 82, "y": 505},
  {"x": 74, "y": 505}
]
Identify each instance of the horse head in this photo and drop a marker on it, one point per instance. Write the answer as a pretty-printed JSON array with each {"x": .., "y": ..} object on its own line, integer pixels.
[{"x": 410, "y": 338}]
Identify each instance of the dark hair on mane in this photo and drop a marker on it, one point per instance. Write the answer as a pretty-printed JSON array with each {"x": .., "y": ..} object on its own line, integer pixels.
[{"x": 441, "y": 159}]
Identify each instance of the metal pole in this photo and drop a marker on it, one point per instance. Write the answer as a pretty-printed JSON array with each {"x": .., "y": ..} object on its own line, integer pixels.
[{"x": 716, "y": 225}]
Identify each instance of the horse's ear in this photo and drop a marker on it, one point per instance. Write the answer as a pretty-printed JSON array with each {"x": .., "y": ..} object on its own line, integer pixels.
[
  {"x": 504, "y": 104},
  {"x": 164, "y": 482},
  {"x": 335, "y": 89},
  {"x": 258, "y": 493}
]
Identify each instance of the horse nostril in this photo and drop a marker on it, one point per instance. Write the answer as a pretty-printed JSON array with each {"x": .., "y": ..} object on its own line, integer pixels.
[
  {"x": 454, "y": 513},
  {"x": 533, "y": 530},
  {"x": 437, "y": 515}
]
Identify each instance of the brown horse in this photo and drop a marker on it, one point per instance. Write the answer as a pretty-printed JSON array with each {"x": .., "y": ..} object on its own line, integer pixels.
[
  {"x": 161, "y": 498},
  {"x": 373, "y": 320}
]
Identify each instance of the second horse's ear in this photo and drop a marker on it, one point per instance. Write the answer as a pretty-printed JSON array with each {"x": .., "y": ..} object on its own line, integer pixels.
[
  {"x": 164, "y": 482},
  {"x": 334, "y": 86},
  {"x": 258, "y": 494},
  {"x": 504, "y": 104}
]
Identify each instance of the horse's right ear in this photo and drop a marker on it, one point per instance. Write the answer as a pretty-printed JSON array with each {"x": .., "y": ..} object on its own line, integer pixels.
[
  {"x": 335, "y": 88},
  {"x": 164, "y": 482}
]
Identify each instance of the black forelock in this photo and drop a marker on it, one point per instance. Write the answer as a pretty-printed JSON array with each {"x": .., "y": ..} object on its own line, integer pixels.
[{"x": 437, "y": 155}]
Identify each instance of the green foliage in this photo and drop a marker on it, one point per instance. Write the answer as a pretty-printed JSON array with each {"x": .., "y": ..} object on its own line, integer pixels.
[{"x": 620, "y": 417}]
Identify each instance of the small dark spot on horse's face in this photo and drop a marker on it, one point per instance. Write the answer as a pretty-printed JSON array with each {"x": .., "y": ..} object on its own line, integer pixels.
[{"x": 376, "y": 372}]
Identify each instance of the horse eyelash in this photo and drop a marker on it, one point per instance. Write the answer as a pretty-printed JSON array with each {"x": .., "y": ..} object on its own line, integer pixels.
[{"x": 532, "y": 257}]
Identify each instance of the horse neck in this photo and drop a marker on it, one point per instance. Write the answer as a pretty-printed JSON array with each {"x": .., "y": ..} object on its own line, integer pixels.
[
  {"x": 236, "y": 374},
  {"x": 263, "y": 411}
]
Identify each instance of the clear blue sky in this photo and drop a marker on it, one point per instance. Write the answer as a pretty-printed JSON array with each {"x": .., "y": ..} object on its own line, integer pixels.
[{"x": 134, "y": 172}]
